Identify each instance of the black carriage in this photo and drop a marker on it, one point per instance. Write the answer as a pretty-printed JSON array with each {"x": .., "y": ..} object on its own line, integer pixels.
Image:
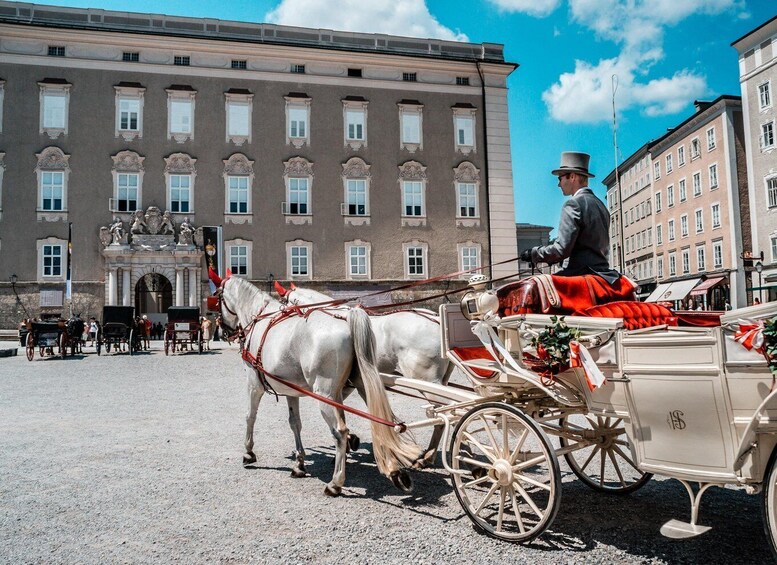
[
  {"x": 49, "y": 337},
  {"x": 183, "y": 329},
  {"x": 118, "y": 327}
]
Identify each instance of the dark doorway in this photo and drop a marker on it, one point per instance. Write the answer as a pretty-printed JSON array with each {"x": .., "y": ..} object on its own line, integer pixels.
[{"x": 153, "y": 294}]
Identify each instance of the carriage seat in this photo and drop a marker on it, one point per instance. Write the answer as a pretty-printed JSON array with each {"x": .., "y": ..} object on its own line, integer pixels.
[
  {"x": 636, "y": 315},
  {"x": 551, "y": 294}
]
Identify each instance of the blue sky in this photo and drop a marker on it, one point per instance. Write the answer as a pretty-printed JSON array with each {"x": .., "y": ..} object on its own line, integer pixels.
[{"x": 666, "y": 54}]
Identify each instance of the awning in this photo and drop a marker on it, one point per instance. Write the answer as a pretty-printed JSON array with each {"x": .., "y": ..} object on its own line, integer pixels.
[
  {"x": 706, "y": 285},
  {"x": 659, "y": 290}
]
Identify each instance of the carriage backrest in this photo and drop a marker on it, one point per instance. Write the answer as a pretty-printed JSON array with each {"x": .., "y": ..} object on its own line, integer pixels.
[
  {"x": 118, "y": 315},
  {"x": 183, "y": 314}
]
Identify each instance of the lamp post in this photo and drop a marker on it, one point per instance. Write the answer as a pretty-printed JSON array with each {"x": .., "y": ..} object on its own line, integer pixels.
[{"x": 759, "y": 267}]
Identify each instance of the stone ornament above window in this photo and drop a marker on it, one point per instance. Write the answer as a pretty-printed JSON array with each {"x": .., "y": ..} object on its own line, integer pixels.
[
  {"x": 412, "y": 170},
  {"x": 53, "y": 158},
  {"x": 238, "y": 164},
  {"x": 466, "y": 172},
  {"x": 298, "y": 167},
  {"x": 180, "y": 163},
  {"x": 127, "y": 161},
  {"x": 356, "y": 168}
]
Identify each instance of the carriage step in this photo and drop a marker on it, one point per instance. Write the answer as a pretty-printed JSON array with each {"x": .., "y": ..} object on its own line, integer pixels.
[{"x": 675, "y": 529}]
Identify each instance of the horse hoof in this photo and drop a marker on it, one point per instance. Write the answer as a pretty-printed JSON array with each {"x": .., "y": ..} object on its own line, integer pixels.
[
  {"x": 332, "y": 491},
  {"x": 249, "y": 458},
  {"x": 401, "y": 480},
  {"x": 353, "y": 442},
  {"x": 298, "y": 473}
]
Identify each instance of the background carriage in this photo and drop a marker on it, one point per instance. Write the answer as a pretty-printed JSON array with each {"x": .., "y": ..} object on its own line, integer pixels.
[
  {"x": 52, "y": 337},
  {"x": 118, "y": 328},
  {"x": 183, "y": 329}
]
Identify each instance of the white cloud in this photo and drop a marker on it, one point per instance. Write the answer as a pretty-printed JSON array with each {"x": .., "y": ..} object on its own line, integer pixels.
[
  {"x": 638, "y": 26},
  {"x": 539, "y": 8},
  {"x": 396, "y": 17}
]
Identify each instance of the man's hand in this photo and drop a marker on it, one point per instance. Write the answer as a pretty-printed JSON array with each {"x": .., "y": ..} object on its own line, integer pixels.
[{"x": 526, "y": 255}]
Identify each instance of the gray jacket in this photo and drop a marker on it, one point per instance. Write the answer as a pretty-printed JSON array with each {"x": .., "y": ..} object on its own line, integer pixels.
[{"x": 583, "y": 237}]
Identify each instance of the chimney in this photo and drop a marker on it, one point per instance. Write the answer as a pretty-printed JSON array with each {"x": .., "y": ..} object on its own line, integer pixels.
[{"x": 701, "y": 105}]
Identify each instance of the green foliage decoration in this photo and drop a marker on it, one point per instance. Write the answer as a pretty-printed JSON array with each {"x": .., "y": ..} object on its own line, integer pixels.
[
  {"x": 770, "y": 344},
  {"x": 552, "y": 344}
]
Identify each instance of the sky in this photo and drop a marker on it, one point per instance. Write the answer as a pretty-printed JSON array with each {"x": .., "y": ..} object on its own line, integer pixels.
[{"x": 665, "y": 54}]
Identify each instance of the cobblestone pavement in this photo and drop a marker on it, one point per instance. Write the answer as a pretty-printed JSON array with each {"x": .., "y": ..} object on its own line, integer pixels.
[{"x": 138, "y": 459}]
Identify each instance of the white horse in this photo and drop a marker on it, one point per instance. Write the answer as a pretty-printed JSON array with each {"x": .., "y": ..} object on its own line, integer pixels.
[
  {"x": 318, "y": 353},
  {"x": 407, "y": 343}
]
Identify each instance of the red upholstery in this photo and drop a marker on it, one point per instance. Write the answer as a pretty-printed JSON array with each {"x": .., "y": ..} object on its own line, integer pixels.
[
  {"x": 635, "y": 315},
  {"x": 470, "y": 353},
  {"x": 699, "y": 319}
]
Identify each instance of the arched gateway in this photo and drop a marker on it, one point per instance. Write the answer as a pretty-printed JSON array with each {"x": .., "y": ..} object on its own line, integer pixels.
[{"x": 152, "y": 263}]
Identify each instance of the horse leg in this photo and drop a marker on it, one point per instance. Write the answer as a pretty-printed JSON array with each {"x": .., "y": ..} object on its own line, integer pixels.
[
  {"x": 335, "y": 418},
  {"x": 430, "y": 455},
  {"x": 295, "y": 423},
  {"x": 255, "y": 393}
]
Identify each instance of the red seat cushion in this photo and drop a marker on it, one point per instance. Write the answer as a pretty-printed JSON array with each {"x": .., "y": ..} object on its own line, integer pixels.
[
  {"x": 635, "y": 315},
  {"x": 470, "y": 353}
]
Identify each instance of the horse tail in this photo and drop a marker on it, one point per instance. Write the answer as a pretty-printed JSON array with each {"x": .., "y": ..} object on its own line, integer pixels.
[{"x": 392, "y": 450}]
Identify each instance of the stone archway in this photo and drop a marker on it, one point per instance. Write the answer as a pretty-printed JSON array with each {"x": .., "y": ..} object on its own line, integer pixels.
[{"x": 153, "y": 294}]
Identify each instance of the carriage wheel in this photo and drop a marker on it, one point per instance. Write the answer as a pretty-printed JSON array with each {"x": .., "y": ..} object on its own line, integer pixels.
[
  {"x": 42, "y": 350},
  {"x": 604, "y": 463},
  {"x": 30, "y": 347},
  {"x": 516, "y": 494},
  {"x": 770, "y": 503},
  {"x": 132, "y": 342},
  {"x": 167, "y": 345},
  {"x": 62, "y": 345},
  {"x": 199, "y": 341}
]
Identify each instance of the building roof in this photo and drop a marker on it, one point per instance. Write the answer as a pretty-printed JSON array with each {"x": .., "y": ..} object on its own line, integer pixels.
[
  {"x": 92, "y": 19},
  {"x": 752, "y": 32},
  {"x": 630, "y": 160}
]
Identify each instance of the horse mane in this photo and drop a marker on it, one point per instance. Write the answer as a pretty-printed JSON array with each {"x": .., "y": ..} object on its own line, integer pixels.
[{"x": 247, "y": 298}]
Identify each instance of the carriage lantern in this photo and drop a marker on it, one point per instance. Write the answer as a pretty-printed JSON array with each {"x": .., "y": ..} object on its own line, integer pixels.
[{"x": 479, "y": 302}]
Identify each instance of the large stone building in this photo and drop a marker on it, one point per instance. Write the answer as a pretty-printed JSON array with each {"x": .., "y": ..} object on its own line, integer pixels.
[
  {"x": 342, "y": 159},
  {"x": 758, "y": 77}
]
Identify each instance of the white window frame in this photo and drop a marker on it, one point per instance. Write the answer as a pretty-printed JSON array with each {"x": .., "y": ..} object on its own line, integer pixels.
[
  {"x": 771, "y": 200},
  {"x": 711, "y": 139},
  {"x": 685, "y": 257},
  {"x": 660, "y": 268},
  {"x": 412, "y": 171},
  {"x": 701, "y": 258},
  {"x": 717, "y": 251},
  {"x": 669, "y": 165},
  {"x": 51, "y": 241},
  {"x": 424, "y": 255},
  {"x": 290, "y": 252},
  {"x": 657, "y": 170},
  {"x": 467, "y": 248},
  {"x": 670, "y": 196},
  {"x": 180, "y": 99},
  {"x": 715, "y": 211},
  {"x": 464, "y": 118},
  {"x": 415, "y": 111},
  {"x": 52, "y": 160},
  {"x": 762, "y": 138},
  {"x": 298, "y": 168},
  {"x": 49, "y": 91},
  {"x": 180, "y": 164},
  {"x": 238, "y": 243},
  {"x": 672, "y": 264},
  {"x": 126, "y": 163},
  {"x": 712, "y": 172},
  {"x": 768, "y": 91},
  {"x": 355, "y": 170},
  {"x": 467, "y": 174},
  {"x": 659, "y": 234},
  {"x": 697, "y": 187},
  {"x": 682, "y": 190},
  {"x": 238, "y": 166},
  {"x": 238, "y": 101},
  {"x": 698, "y": 216},
  {"x": 350, "y": 247},
  {"x": 773, "y": 246},
  {"x": 238, "y": 186},
  {"x": 684, "y": 225},
  {"x": 657, "y": 201},
  {"x": 695, "y": 148},
  {"x": 681, "y": 156},
  {"x": 670, "y": 230},
  {"x": 298, "y": 105},
  {"x": 354, "y": 113},
  {"x": 134, "y": 94}
]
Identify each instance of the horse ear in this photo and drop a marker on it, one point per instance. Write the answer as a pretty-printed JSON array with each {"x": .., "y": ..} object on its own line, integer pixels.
[
  {"x": 228, "y": 275},
  {"x": 293, "y": 286},
  {"x": 279, "y": 288}
]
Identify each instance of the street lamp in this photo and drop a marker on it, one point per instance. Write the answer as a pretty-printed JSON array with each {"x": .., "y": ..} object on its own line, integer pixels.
[{"x": 759, "y": 267}]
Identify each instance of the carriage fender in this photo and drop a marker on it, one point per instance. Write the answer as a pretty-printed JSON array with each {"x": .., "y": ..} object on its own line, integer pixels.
[{"x": 751, "y": 431}]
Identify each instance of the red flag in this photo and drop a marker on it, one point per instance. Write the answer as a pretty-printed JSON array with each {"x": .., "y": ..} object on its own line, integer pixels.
[{"x": 214, "y": 277}]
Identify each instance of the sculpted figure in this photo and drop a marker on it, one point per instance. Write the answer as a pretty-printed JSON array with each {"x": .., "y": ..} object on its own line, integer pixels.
[
  {"x": 168, "y": 224},
  {"x": 117, "y": 231},
  {"x": 139, "y": 223},
  {"x": 186, "y": 233}
]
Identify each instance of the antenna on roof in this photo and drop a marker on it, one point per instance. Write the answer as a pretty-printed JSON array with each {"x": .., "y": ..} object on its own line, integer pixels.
[{"x": 621, "y": 263}]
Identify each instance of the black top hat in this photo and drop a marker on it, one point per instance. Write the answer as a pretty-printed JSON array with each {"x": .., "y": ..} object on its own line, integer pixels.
[{"x": 573, "y": 162}]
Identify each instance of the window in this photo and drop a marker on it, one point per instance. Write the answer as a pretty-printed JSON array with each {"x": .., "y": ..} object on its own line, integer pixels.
[
  {"x": 711, "y": 139},
  {"x": 411, "y": 127},
  {"x": 668, "y": 163},
  {"x": 764, "y": 95},
  {"x": 717, "y": 254},
  {"x": 699, "y": 221},
  {"x": 239, "y": 108},
  {"x": 469, "y": 258},
  {"x": 660, "y": 267},
  {"x": 681, "y": 156},
  {"x": 462, "y": 81},
  {"x": 356, "y": 197},
  {"x": 56, "y": 51},
  {"x": 239, "y": 64},
  {"x": 657, "y": 170},
  {"x": 129, "y": 110},
  {"x": 129, "y": 115},
  {"x": 669, "y": 196},
  {"x": 695, "y": 148},
  {"x": 700, "y": 258},
  {"x": 238, "y": 260},
  {"x": 767, "y": 135},
  {"x": 130, "y": 56},
  {"x": 298, "y": 69},
  {"x": 357, "y": 261},
  {"x": 659, "y": 234},
  {"x": 409, "y": 77},
  {"x": 684, "y": 225},
  {"x": 771, "y": 191},
  {"x": 299, "y": 261},
  {"x": 52, "y": 189},
  {"x": 412, "y": 198},
  {"x": 355, "y": 125},
  {"x": 672, "y": 265},
  {"x": 180, "y": 193},
  {"x": 683, "y": 191},
  {"x": 54, "y": 107},
  {"x": 715, "y": 212},
  {"x": 2, "y": 100},
  {"x": 237, "y": 194},
  {"x": 774, "y": 248},
  {"x": 464, "y": 125},
  {"x": 299, "y": 196},
  {"x": 670, "y": 229},
  {"x": 52, "y": 260},
  {"x": 180, "y": 113},
  {"x": 297, "y": 119},
  {"x": 658, "y": 202},
  {"x": 415, "y": 259},
  {"x": 354, "y": 73},
  {"x": 686, "y": 257},
  {"x": 181, "y": 60},
  {"x": 127, "y": 192},
  {"x": 467, "y": 200}
]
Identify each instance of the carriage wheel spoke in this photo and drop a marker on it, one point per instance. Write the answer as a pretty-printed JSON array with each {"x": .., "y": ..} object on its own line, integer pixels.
[
  {"x": 622, "y": 442},
  {"x": 590, "y": 458},
  {"x": 475, "y": 462},
  {"x": 501, "y": 513},
  {"x": 626, "y": 457},
  {"x": 486, "y": 499},
  {"x": 518, "y": 447},
  {"x": 485, "y": 450},
  {"x": 536, "y": 483},
  {"x": 601, "y": 468},
  {"x": 529, "y": 463},
  {"x": 616, "y": 422},
  {"x": 517, "y": 512},
  {"x": 505, "y": 436},
  {"x": 528, "y": 499},
  {"x": 490, "y": 434},
  {"x": 617, "y": 467},
  {"x": 476, "y": 482}
]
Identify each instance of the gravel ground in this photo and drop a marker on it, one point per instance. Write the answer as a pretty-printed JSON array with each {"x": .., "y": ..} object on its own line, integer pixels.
[{"x": 119, "y": 459}]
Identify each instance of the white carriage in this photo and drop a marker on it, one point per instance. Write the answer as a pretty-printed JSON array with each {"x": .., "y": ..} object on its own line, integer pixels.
[{"x": 690, "y": 403}]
